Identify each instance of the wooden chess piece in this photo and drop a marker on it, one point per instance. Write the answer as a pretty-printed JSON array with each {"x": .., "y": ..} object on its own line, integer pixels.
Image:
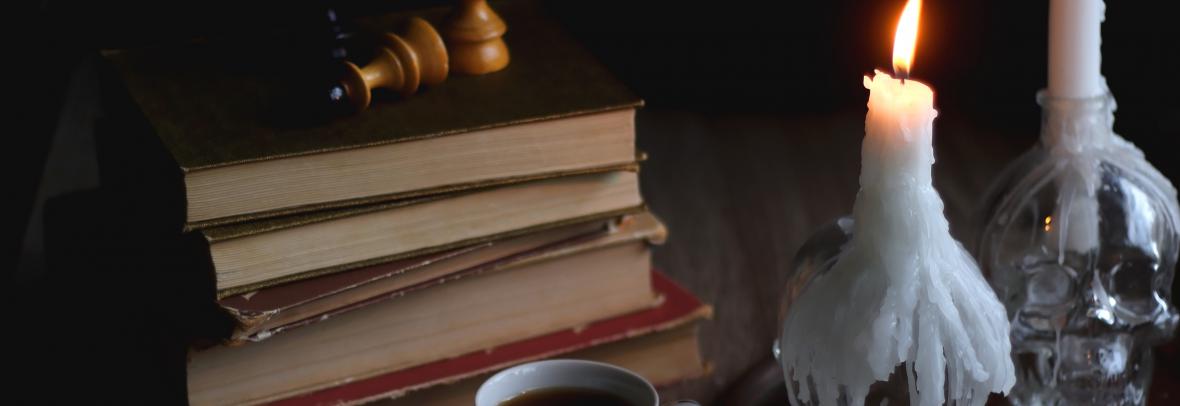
[
  {"x": 422, "y": 37},
  {"x": 401, "y": 64},
  {"x": 473, "y": 32}
]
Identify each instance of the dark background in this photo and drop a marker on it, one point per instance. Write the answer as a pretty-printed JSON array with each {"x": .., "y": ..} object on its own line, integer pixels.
[
  {"x": 734, "y": 62},
  {"x": 985, "y": 60}
]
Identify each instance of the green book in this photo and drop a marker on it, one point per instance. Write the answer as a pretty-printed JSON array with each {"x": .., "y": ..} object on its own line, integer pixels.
[{"x": 188, "y": 133}]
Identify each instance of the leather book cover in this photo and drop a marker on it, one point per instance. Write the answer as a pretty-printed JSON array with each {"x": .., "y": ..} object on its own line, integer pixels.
[
  {"x": 200, "y": 109},
  {"x": 677, "y": 307},
  {"x": 254, "y": 308},
  {"x": 208, "y": 114}
]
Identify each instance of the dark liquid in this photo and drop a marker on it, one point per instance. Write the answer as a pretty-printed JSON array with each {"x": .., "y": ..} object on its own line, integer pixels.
[{"x": 567, "y": 397}]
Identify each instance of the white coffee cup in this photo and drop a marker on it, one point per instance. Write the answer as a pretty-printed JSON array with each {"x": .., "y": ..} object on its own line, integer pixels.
[{"x": 566, "y": 373}]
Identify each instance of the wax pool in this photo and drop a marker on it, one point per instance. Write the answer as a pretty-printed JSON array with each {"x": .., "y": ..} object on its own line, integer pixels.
[{"x": 902, "y": 290}]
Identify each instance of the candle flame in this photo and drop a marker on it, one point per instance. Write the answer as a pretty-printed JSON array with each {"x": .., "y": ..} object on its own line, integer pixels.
[{"x": 905, "y": 38}]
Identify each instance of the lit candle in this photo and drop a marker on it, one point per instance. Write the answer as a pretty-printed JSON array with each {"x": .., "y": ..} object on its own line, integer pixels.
[
  {"x": 1075, "y": 54},
  {"x": 897, "y": 145},
  {"x": 902, "y": 290}
]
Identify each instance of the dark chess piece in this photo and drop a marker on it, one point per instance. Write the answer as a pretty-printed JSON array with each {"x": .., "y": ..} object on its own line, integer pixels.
[
  {"x": 474, "y": 37},
  {"x": 311, "y": 61},
  {"x": 402, "y": 63},
  {"x": 337, "y": 55}
]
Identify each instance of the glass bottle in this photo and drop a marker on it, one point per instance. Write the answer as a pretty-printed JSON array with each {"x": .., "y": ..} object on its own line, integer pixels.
[
  {"x": 816, "y": 257},
  {"x": 1079, "y": 241}
]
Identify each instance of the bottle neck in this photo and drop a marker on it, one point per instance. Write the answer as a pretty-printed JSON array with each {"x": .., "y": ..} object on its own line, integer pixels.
[{"x": 1074, "y": 125}]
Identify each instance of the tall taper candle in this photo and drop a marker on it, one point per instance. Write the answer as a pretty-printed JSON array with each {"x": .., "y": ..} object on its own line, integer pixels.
[
  {"x": 901, "y": 290},
  {"x": 1075, "y": 53}
]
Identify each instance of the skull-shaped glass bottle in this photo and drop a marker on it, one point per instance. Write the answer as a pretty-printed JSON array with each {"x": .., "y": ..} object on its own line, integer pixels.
[{"x": 1079, "y": 240}]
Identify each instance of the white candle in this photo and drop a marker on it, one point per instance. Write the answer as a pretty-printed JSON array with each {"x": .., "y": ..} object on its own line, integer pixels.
[
  {"x": 1075, "y": 54},
  {"x": 902, "y": 289},
  {"x": 897, "y": 148}
]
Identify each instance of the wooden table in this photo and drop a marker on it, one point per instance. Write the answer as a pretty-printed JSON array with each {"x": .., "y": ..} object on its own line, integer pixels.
[{"x": 741, "y": 193}]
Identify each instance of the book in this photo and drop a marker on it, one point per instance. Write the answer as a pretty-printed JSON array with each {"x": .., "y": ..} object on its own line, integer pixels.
[
  {"x": 658, "y": 343},
  {"x": 263, "y": 313},
  {"x": 249, "y": 256},
  {"x": 470, "y": 314},
  {"x": 662, "y": 358},
  {"x": 186, "y": 120}
]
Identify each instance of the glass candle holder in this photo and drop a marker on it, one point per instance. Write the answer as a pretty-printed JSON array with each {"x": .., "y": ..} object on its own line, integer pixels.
[
  {"x": 816, "y": 257},
  {"x": 1079, "y": 240}
]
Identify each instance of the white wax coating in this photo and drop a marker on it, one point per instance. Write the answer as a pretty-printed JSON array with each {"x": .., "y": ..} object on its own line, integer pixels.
[
  {"x": 1077, "y": 227},
  {"x": 902, "y": 290},
  {"x": 1080, "y": 138},
  {"x": 1075, "y": 53}
]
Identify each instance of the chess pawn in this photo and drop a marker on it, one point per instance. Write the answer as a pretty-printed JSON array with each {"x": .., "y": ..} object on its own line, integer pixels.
[
  {"x": 433, "y": 61},
  {"x": 473, "y": 32},
  {"x": 401, "y": 64}
]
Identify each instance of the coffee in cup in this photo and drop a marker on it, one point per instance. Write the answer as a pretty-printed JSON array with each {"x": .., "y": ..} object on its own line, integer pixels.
[{"x": 566, "y": 382}]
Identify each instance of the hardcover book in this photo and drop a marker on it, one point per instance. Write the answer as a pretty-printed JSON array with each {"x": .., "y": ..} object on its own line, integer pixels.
[
  {"x": 659, "y": 343},
  {"x": 664, "y": 358},
  {"x": 263, "y": 313},
  {"x": 429, "y": 325},
  {"x": 250, "y": 256},
  {"x": 180, "y": 121}
]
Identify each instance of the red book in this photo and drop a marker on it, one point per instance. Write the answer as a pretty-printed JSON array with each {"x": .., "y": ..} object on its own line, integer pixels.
[{"x": 677, "y": 308}]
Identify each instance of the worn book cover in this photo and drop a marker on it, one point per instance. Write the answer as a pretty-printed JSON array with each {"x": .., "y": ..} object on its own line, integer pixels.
[
  {"x": 263, "y": 313},
  {"x": 249, "y": 256},
  {"x": 469, "y": 314},
  {"x": 177, "y": 116},
  {"x": 677, "y": 308}
]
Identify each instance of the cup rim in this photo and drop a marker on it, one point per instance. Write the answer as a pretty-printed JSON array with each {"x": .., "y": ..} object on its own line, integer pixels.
[{"x": 648, "y": 387}]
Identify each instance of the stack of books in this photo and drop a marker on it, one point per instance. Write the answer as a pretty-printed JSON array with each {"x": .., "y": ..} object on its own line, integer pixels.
[{"x": 405, "y": 252}]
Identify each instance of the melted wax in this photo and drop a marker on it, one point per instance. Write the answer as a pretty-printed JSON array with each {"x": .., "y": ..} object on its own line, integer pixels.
[{"x": 902, "y": 290}]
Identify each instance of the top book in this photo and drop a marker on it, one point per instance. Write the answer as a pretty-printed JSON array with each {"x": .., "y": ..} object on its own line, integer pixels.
[{"x": 201, "y": 128}]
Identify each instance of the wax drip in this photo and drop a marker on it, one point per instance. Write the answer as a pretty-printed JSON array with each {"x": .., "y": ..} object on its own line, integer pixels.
[{"x": 901, "y": 291}]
